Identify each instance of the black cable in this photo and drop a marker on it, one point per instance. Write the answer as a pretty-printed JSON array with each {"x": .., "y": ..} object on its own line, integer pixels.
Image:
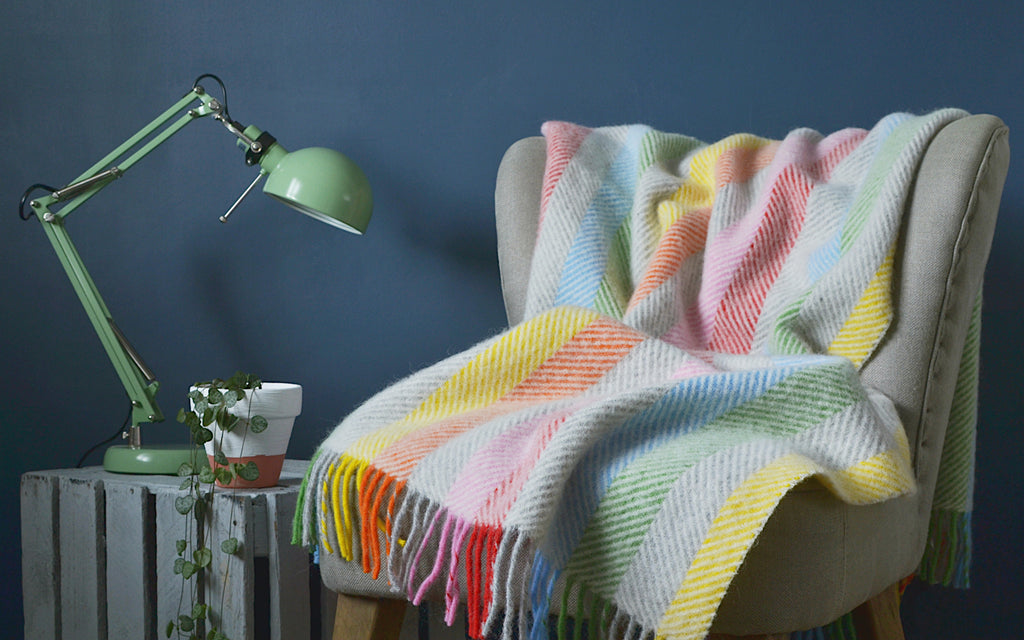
[
  {"x": 116, "y": 435},
  {"x": 223, "y": 90},
  {"x": 25, "y": 196}
]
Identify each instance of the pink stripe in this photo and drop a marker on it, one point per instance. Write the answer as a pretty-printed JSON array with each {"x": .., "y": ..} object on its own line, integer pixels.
[
  {"x": 563, "y": 141},
  {"x": 693, "y": 368},
  {"x": 741, "y": 305},
  {"x": 491, "y": 478},
  {"x": 416, "y": 595},
  {"x": 726, "y": 252},
  {"x": 451, "y": 591}
]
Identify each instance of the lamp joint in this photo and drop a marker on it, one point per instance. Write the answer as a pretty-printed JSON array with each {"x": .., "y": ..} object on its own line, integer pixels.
[{"x": 255, "y": 151}]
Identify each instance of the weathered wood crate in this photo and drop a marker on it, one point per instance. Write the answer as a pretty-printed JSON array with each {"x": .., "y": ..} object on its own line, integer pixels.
[{"x": 98, "y": 551}]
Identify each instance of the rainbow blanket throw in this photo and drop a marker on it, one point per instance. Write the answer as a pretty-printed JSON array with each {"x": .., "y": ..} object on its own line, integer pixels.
[{"x": 696, "y": 318}]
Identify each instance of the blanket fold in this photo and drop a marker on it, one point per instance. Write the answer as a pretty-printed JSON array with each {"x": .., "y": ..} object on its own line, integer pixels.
[{"x": 696, "y": 318}]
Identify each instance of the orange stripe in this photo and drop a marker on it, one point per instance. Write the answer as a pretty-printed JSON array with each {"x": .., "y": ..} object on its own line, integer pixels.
[{"x": 683, "y": 239}]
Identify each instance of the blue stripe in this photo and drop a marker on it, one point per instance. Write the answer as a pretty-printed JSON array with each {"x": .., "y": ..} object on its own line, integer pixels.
[{"x": 587, "y": 260}]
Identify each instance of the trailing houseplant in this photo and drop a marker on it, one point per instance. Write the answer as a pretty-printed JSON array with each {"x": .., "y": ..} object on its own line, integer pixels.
[{"x": 222, "y": 416}]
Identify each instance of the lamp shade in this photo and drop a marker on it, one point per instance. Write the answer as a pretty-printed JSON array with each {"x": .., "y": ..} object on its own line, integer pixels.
[{"x": 324, "y": 184}]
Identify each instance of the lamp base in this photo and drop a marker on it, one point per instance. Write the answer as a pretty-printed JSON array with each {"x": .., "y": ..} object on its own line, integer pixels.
[{"x": 151, "y": 459}]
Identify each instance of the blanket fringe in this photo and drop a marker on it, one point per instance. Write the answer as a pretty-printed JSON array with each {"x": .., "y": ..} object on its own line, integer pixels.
[
  {"x": 304, "y": 519},
  {"x": 947, "y": 552}
]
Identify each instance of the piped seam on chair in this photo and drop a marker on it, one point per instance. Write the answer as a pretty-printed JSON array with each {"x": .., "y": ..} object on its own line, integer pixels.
[{"x": 949, "y": 304}]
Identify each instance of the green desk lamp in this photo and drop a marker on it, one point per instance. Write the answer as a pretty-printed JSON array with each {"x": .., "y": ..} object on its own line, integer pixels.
[{"x": 319, "y": 182}]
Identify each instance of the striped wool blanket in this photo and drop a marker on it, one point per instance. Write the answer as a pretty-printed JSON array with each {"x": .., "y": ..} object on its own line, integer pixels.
[{"x": 696, "y": 318}]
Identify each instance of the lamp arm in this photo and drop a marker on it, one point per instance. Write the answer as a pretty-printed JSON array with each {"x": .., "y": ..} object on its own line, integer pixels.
[{"x": 138, "y": 381}]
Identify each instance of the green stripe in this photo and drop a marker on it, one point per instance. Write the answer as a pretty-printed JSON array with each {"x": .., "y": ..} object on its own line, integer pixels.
[
  {"x": 300, "y": 505},
  {"x": 956, "y": 466},
  {"x": 786, "y": 337},
  {"x": 880, "y": 171},
  {"x": 619, "y": 525},
  {"x": 617, "y": 284},
  {"x": 658, "y": 146}
]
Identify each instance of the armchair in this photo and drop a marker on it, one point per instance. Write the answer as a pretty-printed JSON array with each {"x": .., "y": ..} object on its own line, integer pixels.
[{"x": 817, "y": 558}]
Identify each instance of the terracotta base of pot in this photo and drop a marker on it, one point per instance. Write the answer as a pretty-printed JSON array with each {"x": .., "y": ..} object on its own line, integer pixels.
[{"x": 270, "y": 471}]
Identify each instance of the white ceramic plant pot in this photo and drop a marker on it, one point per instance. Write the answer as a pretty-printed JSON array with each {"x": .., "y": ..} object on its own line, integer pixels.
[{"x": 279, "y": 403}]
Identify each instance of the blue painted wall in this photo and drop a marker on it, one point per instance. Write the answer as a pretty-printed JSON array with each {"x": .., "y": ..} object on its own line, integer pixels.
[{"x": 425, "y": 96}]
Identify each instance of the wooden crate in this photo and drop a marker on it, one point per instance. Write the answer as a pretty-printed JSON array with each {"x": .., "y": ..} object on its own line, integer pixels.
[{"x": 98, "y": 550}]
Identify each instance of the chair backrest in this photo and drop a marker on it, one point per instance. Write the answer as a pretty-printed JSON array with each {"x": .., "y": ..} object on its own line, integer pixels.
[{"x": 944, "y": 245}]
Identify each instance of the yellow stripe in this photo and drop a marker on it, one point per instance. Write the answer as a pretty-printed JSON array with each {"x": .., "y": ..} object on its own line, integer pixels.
[
  {"x": 344, "y": 541},
  {"x": 487, "y": 377},
  {"x": 324, "y": 511},
  {"x": 880, "y": 477},
  {"x": 869, "y": 319},
  {"x": 731, "y": 534}
]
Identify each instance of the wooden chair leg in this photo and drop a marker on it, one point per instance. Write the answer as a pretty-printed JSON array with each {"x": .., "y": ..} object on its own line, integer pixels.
[
  {"x": 879, "y": 617},
  {"x": 359, "y": 618}
]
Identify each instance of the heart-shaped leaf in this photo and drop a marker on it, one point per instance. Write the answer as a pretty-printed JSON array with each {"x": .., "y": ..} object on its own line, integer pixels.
[
  {"x": 206, "y": 475},
  {"x": 202, "y": 557},
  {"x": 258, "y": 424},
  {"x": 180, "y": 546},
  {"x": 248, "y": 471},
  {"x": 188, "y": 569},
  {"x": 223, "y": 475},
  {"x": 227, "y": 421},
  {"x": 184, "y": 504},
  {"x": 229, "y": 546}
]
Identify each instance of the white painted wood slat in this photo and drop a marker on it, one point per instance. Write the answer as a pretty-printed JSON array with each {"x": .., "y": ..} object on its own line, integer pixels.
[
  {"x": 83, "y": 576},
  {"x": 289, "y": 572},
  {"x": 170, "y": 527},
  {"x": 130, "y": 562},
  {"x": 231, "y": 581},
  {"x": 40, "y": 555}
]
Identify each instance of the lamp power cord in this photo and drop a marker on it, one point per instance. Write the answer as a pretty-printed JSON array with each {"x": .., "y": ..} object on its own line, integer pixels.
[{"x": 117, "y": 434}]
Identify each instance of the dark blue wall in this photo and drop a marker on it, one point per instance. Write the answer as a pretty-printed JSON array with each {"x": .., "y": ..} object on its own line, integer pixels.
[{"x": 425, "y": 96}]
